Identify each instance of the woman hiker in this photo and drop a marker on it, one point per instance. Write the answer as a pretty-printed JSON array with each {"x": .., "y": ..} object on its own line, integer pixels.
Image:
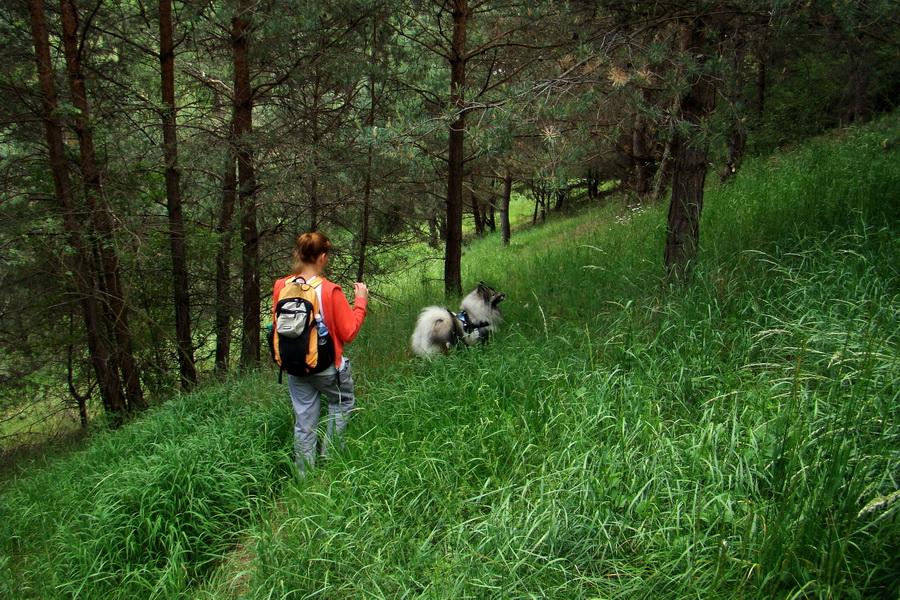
[{"x": 343, "y": 322}]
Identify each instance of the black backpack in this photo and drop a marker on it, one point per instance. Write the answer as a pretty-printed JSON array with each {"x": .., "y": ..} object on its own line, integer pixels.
[{"x": 299, "y": 340}]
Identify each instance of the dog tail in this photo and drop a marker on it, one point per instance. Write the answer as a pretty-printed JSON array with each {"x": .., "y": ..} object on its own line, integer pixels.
[{"x": 435, "y": 331}]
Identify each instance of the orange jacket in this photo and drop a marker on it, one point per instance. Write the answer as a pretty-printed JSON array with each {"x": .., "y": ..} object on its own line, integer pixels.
[{"x": 342, "y": 320}]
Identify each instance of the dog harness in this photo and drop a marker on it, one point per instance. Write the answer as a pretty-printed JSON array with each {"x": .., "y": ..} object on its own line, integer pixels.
[{"x": 467, "y": 324}]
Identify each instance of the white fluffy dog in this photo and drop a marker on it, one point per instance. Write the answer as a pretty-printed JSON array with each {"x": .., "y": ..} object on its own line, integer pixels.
[{"x": 439, "y": 328}]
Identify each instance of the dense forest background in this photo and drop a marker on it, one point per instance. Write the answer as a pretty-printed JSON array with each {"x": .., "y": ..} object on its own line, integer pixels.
[{"x": 159, "y": 159}]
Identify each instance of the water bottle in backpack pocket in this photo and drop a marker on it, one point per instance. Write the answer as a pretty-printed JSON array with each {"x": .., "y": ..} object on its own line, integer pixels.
[{"x": 321, "y": 330}]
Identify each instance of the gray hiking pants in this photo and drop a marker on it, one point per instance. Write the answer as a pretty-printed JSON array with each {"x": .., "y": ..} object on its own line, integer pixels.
[{"x": 306, "y": 397}]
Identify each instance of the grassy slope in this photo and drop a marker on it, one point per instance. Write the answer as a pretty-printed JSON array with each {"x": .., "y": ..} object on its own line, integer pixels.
[{"x": 619, "y": 438}]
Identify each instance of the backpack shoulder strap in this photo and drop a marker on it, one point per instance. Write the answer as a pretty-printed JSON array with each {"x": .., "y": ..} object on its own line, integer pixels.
[{"x": 317, "y": 284}]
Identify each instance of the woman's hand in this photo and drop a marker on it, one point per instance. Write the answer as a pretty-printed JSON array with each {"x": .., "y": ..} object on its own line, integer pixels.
[{"x": 360, "y": 290}]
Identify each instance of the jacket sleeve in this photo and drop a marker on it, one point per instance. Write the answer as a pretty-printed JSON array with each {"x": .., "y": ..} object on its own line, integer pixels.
[{"x": 347, "y": 320}]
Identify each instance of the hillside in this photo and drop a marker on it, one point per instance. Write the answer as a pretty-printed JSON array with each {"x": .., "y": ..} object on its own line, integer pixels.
[{"x": 735, "y": 437}]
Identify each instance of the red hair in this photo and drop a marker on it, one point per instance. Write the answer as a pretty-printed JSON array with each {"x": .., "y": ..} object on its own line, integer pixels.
[{"x": 310, "y": 247}]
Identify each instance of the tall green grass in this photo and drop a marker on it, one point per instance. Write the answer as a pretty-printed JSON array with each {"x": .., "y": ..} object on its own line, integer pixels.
[
  {"x": 148, "y": 510},
  {"x": 667, "y": 454},
  {"x": 624, "y": 439},
  {"x": 620, "y": 438}
]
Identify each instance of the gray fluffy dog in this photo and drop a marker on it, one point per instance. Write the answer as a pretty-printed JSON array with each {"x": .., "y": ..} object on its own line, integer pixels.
[{"x": 439, "y": 328}]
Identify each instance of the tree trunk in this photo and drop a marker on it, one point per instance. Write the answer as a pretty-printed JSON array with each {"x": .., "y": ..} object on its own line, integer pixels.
[
  {"x": 243, "y": 125},
  {"x": 110, "y": 385},
  {"x": 593, "y": 184},
  {"x": 505, "y": 232},
  {"x": 223, "y": 260},
  {"x": 180, "y": 286},
  {"x": 456, "y": 151},
  {"x": 367, "y": 189},
  {"x": 560, "y": 193},
  {"x": 541, "y": 193},
  {"x": 435, "y": 228},
  {"x": 641, "y": 157},
  {"x": 860, "y": 77},
  {"x": 761, "y": 83},
  {"x": 737, "y": 135},
  {"x": 80, "y": 399},
  {"x": 737, "y": 144},
  {"x": 491, "y": 216},
  {"x": 665, "y": 162},
  {"x": 364, "y": 220},
  {"x": 314, "y": 195},
  {"x": 477, "y": 214},
  {"x": 683, "y": 234},
  {"x": 315, "y": 138},
  {"x": 122, "y": 358}
]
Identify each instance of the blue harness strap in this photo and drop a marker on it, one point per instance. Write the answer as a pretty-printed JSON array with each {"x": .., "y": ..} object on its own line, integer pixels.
[{"x": 468, "y": 325}]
